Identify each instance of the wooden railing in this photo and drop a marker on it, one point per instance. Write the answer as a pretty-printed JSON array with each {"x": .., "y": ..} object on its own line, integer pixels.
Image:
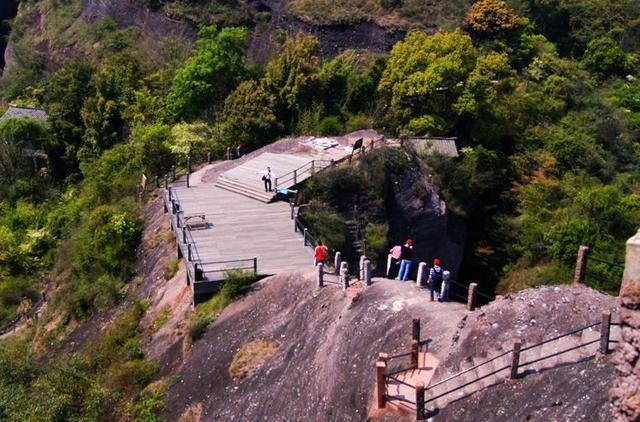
[{"x": 422, "y": 393}]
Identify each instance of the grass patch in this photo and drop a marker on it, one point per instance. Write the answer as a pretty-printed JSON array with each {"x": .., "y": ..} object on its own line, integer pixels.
[
  {"x": 252, "y": 356},
  {"x": 170, "y": 269},
  {"x": 162, "y": 318},
  {"x": 523, "y": 277},
  {"x": 236, "y": 283}
]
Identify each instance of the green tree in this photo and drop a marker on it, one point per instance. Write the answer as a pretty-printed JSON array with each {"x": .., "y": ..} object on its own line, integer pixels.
[
  {"x": 486, "y": 17},
  {"x": 210, "y": 74},
  {"x": 424, "y": 76},
  {"x": 293, "y": 77},
  {"x": 605, "y": 57},
  {"x": 17, "y": 135},
  {"x": 249, "y": 118}
]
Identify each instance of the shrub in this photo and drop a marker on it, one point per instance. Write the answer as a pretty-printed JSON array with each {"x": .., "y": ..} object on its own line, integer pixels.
[
  {"x": 170, "y": 269},
  {"x": 330, "y": 125}
]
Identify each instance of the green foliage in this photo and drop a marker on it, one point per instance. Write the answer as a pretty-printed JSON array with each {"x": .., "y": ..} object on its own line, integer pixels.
[
  {"x": 236, "y": 283},
  {"x": 170, "y": 269},
  {"x": 490, "y": 16},
  {"x": 16, "y": 135},
  {"x": 326, "y": 224},
  {"x": 210, "y": 74},
  {"x": 604, "y": 56}
]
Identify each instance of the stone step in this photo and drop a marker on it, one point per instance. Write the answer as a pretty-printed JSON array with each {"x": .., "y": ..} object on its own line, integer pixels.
[{"x": 244, "y": 189}]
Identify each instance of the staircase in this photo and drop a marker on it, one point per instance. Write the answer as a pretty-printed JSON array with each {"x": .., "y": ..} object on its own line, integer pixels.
[
  {"x": 483, "y": 372},
  {"x": 354, "y": 233},
  {"x": 254, "y": 191}
]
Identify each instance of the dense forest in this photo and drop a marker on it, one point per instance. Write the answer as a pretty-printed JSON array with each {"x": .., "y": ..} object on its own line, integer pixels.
[{"x": 543, "y": 97}]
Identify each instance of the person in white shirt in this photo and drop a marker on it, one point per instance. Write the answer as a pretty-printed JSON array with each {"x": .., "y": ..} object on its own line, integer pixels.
[{"x": 267, "y": 177}]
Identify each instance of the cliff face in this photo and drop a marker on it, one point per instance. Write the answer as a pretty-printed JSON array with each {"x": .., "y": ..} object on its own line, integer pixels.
[
  {"x": 57, "y": 38},
  {"x": 8, "y": 10},
  {"x": 417, "y": 211}
]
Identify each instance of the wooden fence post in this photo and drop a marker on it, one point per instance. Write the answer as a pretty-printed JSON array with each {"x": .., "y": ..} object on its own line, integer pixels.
[
  {"x": 255, "y": 265},
  {"x": 337, "y": 262},
  {"x": 381, "y": 369},
  {"x": 367, "y": 273},
  {"x": 581, "y": 264},
  {"x": 420, "y": 401},
  {"x": 320, "y": 275},
  {"x": 414, "y": 354},
  {"x": 605, "y": 327},
  {"x": 515, "y": 359},
  {"x": 361, "y": 272},
  {"x": 344, "y": 275},
  {"x": 422, "y": 274},
  {"x": 415, "y": 329},
  {"x": 471, "y": 297}
]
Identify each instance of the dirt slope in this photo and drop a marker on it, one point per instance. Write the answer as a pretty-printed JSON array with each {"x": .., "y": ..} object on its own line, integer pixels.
[{"x": 323, "y": 369}]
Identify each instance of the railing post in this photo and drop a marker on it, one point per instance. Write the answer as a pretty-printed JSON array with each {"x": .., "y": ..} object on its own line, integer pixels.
[
  {"x": 304, "y": 235},
  {"x": 320, "y": 275},
  {"x": 414, "y": 354},
  {"x": 255, "y": 265},
  {"x": 295, "y": 176},
  {"x": 184, "y": 235},
  {"x": 361, "y": 269},
  {"x": 228, "y": 153},
  {"x": 188, "y": 164},
  {"x": 515, "y": 359},
  {"x": 189, "y": 252},
  {"x": 381, "y": 369},
  {"x": 173, "y": 173},
  {"x": 188, "y": 180},
  {"x": 292, "y": 208},
  {"x": 344, "y": 275},
  {"x": 420, "y": 400},
  {"x": 581, "y": 264},
  {"x": 415, "y": 329},
  {"x": 471, "y": 297},
  {"x": 313, "y": 167},
  {"x": 337, "y": 262},
  {"x": 295, "y": 224},
  {"x": 170, "y": 193},
  {"x": 605, "y": 327},
  {"x": 422, "y": 274},
  {"x": 166, "y": 181},
  {"x": 208, "y": 158},
  {"x": 367, "y": 273}
]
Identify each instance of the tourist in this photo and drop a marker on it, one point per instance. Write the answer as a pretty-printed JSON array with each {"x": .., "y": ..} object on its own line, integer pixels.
[
  {"x": 435, "y": 280},
  {"x": 239, "y": 151},
  {"x": 444, "y": 294},
  {"x": 320, "y": 253},
  {"x": 406, "y": 256},
  {"x": 267, "y": 177},
  {"x": 394, "y": 261}
]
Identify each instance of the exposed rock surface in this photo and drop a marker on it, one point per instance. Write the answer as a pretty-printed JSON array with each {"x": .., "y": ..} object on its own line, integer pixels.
[
  {"x": 323, "y": 369},
  {"x": 530, "y": 315},
  {"x": 571, "y": 393},
  {"x": 625, "y": 394},
  {"x": 420, "y": 213}
]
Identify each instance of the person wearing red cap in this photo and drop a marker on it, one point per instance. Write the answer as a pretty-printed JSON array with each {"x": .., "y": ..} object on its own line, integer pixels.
[
  {"x": 435, "y": 280},
  {"x": 406, "y": 256}
]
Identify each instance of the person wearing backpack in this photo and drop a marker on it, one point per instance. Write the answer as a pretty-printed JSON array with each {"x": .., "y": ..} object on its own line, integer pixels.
[
  {"x": 319, "y": 253},
  {"x": 435, "y": 280}
]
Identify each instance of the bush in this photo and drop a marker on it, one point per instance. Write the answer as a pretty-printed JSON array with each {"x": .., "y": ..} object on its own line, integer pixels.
[
  {"x": 170, "y": 269},
  {"x": 330, "y": 125}
]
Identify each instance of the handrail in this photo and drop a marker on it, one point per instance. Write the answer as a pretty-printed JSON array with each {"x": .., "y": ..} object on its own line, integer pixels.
[
  {"x": 468, "y": 370},
  {"x": 467, "y": 384},
  {"x": 520, "y": 365},
  {"x": 604, "y": 261},
  {"x": 524, "y": 349},
  {"x": 312, "y": 169}
]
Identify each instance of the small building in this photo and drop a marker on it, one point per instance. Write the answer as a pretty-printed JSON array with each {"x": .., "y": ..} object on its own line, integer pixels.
[
  {"x": 15, "y": 112},
  {"x": 431, "y": 144}
]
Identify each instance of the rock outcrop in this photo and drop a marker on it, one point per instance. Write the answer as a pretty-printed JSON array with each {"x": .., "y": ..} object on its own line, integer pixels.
[{"x": 625, "y": 394}]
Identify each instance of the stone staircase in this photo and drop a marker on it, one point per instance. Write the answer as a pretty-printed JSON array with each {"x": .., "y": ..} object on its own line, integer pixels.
[
  {"x": 254, "y": 191},
  {"x": 483, "y": 372}
]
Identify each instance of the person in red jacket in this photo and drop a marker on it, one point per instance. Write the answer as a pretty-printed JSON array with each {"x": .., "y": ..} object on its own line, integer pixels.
[{"x": 320, "y": 253}]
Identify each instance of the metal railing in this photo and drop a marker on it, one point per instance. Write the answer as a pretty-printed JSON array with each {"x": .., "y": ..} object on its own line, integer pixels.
[
  {"x": 515, "y": 365},
  {"x": 199, "y": 269},
  {"x": 306, "y": 170}
]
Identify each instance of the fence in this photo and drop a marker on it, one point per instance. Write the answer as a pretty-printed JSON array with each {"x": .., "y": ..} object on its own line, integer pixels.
[
  {"x": 597, "y": 272},
  {"x": 514, "y": 365},
  {"x": 203, "y": 274},
  {"x": 302, "y": 172}
]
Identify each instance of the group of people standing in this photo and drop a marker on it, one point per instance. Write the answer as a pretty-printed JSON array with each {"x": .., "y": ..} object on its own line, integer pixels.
[{"x": 400, "y": 267}]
